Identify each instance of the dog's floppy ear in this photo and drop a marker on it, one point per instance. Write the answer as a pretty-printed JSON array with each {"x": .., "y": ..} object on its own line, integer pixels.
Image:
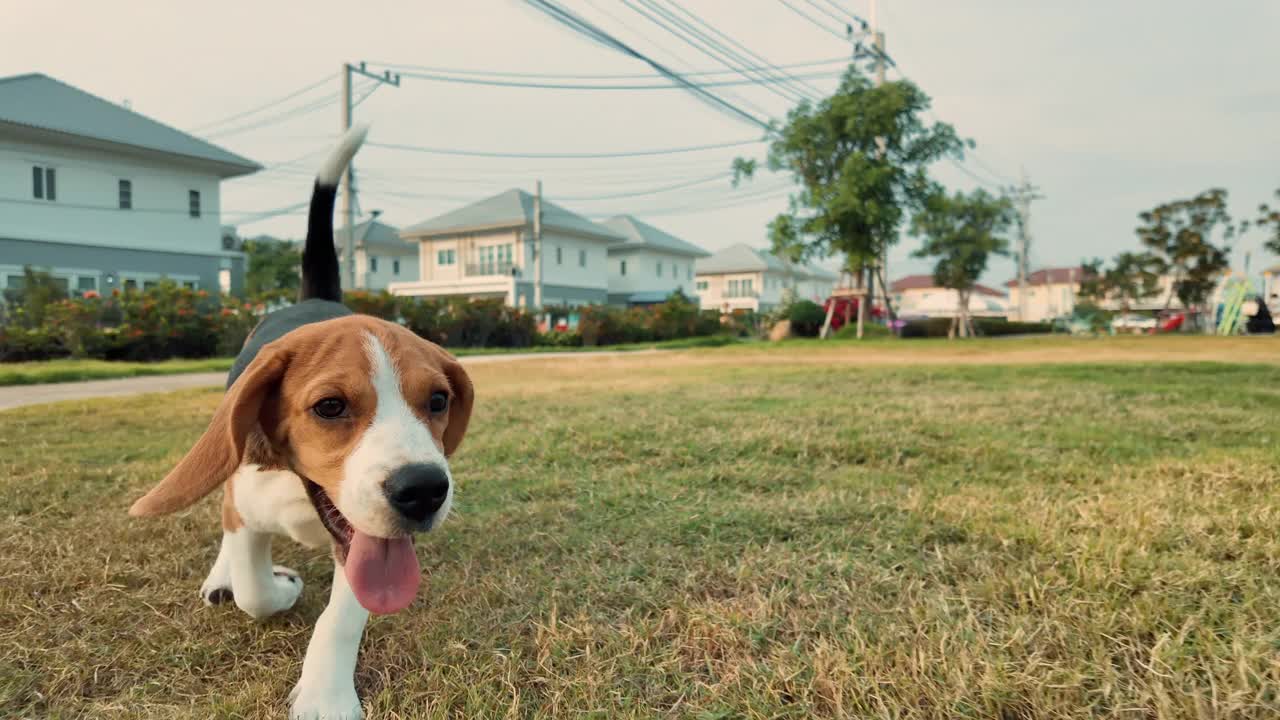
[
  {"x": 218, "y": 452},
  {"x": 459, "y": 405}
]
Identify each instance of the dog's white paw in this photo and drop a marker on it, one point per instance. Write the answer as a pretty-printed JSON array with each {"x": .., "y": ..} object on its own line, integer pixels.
[
  {"x": 288, "y": 587},
  {"x": 324, "y": 703}
]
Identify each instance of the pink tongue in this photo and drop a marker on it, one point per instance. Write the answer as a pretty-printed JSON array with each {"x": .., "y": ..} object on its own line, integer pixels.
[{"x": 384, "y": 574}]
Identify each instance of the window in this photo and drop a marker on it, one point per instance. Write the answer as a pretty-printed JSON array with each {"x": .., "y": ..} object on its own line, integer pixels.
[
  {"x": 85, "y": 283},
  {"x": 688, "y": 273},
  {"x": 675, "y": 271},
  {"x": 126, "y": 194},
  {"x": 190, "y": 284},
  {"x": 659, "y": 268},
  {"x": 395, "y": 267},
  {"x": 193, "y": 203},
  {"x": 740, "y": 288},
  {"x": 373, "y": 263},
  {"x": 582, "y": 258},
  {"x": 701, "y": 285},
  {"x": 624, "y": 267},
  {"x": 560, "y": 257},
  {"x": 149, "y": 284},
  {"x": 446, "y": 257},
  {"x": 130, "y": 284},
  {"x": 44, "y": 183},
  {"x": 494, "y": 260}
]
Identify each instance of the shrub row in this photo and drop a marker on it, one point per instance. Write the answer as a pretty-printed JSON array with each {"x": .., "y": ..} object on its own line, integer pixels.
[
  {"x": 168, "y": 321},
  {"x": 989, "y": 327}
]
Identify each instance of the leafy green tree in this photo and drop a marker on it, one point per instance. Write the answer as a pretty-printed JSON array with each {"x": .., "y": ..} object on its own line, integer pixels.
[
  {"x": 274, "y": 271},
  {"x": 1180, "y": 235},
  {"x": 1131, "y": 277},
  {"x": 861, "y": 159},
  {"x": 1269, "y": 220},
  {"x": 962, "y": 232}
]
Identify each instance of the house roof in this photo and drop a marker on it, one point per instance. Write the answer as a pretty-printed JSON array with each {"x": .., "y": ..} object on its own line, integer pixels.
[
  {"x": 511, "y": 209},
  {"x": 739, "y": 257},
  {"x": 640, "y": 234},
  {"x": 1273, "y": 270},
  {"x": 372, "y": 233},
  {"x": 40, "y": 102},
  {"x": 1051, "y": 276},
  {"x": 923, "y": 282}
]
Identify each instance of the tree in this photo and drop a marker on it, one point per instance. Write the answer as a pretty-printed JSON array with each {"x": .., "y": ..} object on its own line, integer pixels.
[
  {"x": 860, "y": 158},
  {"x": 1269, "y": 220},
  {"x": 1180, "y": 234},
  {"x": 274, "y": 271},
  {"x": 962, "y": 232},
  {"x": 1132, "y": 277}
]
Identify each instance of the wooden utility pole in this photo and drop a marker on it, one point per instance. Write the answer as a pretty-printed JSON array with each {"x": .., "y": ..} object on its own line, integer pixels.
[
  {"x": 1022, "y": 195},
  {"x": 537, "y": 248},
  {"x": 349, "y": 177}
]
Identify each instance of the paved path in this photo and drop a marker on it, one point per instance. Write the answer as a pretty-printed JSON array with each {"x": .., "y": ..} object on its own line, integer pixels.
[{"x": 20, "y": 395}]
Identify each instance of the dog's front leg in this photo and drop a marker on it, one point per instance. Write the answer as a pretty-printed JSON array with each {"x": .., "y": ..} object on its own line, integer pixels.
[{"x": 327, "y": 688}]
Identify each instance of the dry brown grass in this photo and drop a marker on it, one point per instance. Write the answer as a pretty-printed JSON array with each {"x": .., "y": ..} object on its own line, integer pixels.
[{"x": 900, "y": 531}]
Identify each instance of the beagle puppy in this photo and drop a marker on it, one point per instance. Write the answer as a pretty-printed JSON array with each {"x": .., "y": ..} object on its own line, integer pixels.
[{"x": 335, "y": 429}]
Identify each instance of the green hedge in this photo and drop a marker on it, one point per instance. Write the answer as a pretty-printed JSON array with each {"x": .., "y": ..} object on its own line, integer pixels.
[{"x": 168, "y": 321}]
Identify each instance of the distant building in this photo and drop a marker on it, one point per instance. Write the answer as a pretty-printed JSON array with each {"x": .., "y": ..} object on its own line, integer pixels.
[
  {"x": 650, "y": 265},
  {"x": 1271, "y": 287},
  {"x": 381, "y": 256},
  {"x": 921, "y": 296},
  {"x": 1051, "y": 293},
  {"x": 485, "y": 250},
  {"x": 741, "y": 277},
  {"x": 103, "y": 197}
]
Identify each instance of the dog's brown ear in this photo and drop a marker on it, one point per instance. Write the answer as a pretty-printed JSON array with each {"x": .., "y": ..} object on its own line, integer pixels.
[
  {"x": 218, "y": 452},
  {"x": 459, "y": 405}
]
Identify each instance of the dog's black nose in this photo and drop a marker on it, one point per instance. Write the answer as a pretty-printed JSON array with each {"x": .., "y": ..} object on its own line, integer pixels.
[{"x": 416, "y": 490}]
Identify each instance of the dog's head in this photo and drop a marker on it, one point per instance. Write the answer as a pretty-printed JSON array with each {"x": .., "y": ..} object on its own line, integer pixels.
[{"x": 367, "y": 413}]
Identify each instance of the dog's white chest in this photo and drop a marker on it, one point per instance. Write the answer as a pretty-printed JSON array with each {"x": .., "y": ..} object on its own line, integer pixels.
[{"x": 274, "y": 501}]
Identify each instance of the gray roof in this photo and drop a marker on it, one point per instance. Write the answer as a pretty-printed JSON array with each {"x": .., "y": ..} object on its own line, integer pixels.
[
  {"x": 640, "y": 234},
  {"x": 511, "y": 209},
  {"x": 740, "y": 257},
  {"x": 43, "y": 103},
  {"x": 372, "y": 233}
]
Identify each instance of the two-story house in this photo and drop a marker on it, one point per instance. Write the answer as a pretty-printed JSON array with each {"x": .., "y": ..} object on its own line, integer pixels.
[
  {"x": 740, "y": 277},
  {"x": 381, "y": 257},
  {"x": 921, "y": 296},
  {"x": 650, "y": 265},
  {"x": 103, "y": 197},
  {"x": 486, "y": 250}
]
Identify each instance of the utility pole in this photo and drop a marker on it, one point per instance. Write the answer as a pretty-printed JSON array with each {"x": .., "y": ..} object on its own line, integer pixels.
[
  {"x": 537, "y": 248},
  {"x": 349, "y": 178},
  {"x": 1022, "y": 195}
]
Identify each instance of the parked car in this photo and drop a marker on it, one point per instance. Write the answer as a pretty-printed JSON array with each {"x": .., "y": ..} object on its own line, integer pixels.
[{"x": 1133, "y": 323}]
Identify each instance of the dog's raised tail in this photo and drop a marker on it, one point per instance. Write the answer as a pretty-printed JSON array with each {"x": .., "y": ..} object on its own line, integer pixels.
[{"x": 321, "y": 278}]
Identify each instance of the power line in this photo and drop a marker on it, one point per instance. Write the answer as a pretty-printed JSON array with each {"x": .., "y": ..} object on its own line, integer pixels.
[
  {"x": 264, "y": 106},
  {"x": 278, "y": 117},
  {"x": 650, "y": 191},
  {"x": 589, "y": 30},
  {"x": 828, "y": 13},
  {"x": 802, "y": 88},
  {"x": 581, "y": 86},
  {"x": 698, "y": 41},
  {"x": 118, "y": 209},
  {"x": 811, "y": 19},
  {"x": 631, "y": 76},
  {"x": 862, "y": 23},
  {"x": 560, "y": 156}
]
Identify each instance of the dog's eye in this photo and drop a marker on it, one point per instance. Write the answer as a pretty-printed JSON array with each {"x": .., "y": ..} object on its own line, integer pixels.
[
  {"x": 439, "y": 403},
  {"x": 330, "y": 408}
]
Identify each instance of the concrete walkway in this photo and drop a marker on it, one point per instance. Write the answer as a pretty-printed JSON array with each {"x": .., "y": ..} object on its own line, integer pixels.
[{"x": 20, "y": 395}]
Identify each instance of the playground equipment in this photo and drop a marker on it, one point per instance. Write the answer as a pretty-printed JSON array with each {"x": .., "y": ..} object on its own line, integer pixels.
[{"x": 1232, "y": 317}]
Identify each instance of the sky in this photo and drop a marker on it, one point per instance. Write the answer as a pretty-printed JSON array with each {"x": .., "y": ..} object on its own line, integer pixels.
[{"x": 1110, "y": 108}]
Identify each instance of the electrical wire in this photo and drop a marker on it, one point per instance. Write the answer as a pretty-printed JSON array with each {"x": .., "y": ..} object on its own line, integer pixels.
[
  {"x": 811, "y": 19},
  {"x": 580, "y": 86},
  {"x": 632, "y": 76},
  {"x": 560, "y": 156},
  {"x": 265, "y": 106}
]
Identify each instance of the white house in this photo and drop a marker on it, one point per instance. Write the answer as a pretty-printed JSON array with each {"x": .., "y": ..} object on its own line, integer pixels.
[
  {"x": 920, "y": 296},
  {"x": 382, "y": 258},
  {"x": 103, "y": 197},
  {"x": 650, "y": 265},
  {"x": 741, "y": 277},
  {"x": 485, "y": 250}
]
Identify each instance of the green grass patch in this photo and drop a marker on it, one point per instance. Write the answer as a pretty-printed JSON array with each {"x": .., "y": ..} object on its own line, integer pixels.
[
  {"x": 757, "y": 532},
  {"x": 56, "y": 371}
]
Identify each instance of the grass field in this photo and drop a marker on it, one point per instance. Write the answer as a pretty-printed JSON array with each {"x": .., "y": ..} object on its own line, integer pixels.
[{"x": 966, "y": 530}]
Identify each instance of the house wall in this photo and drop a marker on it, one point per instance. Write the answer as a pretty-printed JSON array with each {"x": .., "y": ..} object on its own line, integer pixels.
[
  {"x": 87, "y": 211},
  {"x": 382, "y": 278},
  {"x": 83, "y": 232},
  {"x": 642, "y": 273},
  {"x": 564, "y": 269},
  {"x": 715, "y": 295}
]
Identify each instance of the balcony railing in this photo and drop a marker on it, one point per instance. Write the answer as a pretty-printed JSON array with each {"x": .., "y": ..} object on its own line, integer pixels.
[
  {"x": 740, "y": 294},
  {"x": 489, "y": 268}
]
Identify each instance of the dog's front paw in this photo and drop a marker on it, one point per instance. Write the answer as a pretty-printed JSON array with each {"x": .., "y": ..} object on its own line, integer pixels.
[{"x": 324, "y": 703}]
